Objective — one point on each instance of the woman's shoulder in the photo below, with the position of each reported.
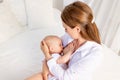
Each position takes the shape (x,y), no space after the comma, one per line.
(93,44)
(90,46)
(94,48)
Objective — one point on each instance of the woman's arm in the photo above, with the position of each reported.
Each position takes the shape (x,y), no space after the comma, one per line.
(45,70)
(79,69)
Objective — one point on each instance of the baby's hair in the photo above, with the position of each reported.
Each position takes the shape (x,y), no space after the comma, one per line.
(48,38)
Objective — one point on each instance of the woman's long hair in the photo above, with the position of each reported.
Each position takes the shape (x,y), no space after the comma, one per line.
(79,13)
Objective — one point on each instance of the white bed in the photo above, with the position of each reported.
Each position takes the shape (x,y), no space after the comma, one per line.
(20,54)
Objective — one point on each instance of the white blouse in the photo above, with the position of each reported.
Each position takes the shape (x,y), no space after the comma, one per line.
(82,63)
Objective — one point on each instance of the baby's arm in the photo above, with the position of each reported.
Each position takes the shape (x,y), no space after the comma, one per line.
(67,52)
(63,59)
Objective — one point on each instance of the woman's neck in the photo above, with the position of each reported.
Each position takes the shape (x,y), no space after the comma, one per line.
(81,41)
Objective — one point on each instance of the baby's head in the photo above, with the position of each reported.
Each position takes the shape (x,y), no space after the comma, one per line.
(54,44)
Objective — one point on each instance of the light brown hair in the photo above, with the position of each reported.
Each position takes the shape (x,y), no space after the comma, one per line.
(79,13)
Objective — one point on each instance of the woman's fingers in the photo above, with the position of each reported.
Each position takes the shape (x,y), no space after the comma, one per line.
(44,47)
(42,43)
(45,50)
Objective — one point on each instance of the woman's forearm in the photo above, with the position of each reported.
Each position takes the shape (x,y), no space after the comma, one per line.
(48,56)
(45,70)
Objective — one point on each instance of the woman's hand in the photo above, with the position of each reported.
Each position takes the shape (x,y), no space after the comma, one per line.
(45,50)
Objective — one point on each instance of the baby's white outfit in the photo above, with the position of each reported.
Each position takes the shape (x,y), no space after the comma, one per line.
(64,66)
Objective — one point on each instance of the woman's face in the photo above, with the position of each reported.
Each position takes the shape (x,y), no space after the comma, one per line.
(73,32)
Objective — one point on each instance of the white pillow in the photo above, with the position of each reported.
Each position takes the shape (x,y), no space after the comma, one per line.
(19,10)
(40,13)
(8,23)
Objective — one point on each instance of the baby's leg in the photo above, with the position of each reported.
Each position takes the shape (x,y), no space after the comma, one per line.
(36,77)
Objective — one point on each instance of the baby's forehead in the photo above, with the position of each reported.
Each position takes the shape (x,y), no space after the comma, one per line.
(56,39)
(52,39)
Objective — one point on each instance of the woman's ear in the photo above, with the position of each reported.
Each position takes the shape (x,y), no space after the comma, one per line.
(78,28)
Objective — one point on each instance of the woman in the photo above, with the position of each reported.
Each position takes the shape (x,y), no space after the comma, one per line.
(79,26)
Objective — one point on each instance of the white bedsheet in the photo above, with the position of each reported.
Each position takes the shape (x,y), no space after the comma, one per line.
(21,57)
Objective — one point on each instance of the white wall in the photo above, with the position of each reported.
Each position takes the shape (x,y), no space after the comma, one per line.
(58,4)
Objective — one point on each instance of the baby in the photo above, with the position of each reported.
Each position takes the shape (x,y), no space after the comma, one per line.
(55,47)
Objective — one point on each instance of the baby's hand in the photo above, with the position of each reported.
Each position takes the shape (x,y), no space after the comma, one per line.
(70,48)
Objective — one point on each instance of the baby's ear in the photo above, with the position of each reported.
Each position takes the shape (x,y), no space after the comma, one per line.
(51,49)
